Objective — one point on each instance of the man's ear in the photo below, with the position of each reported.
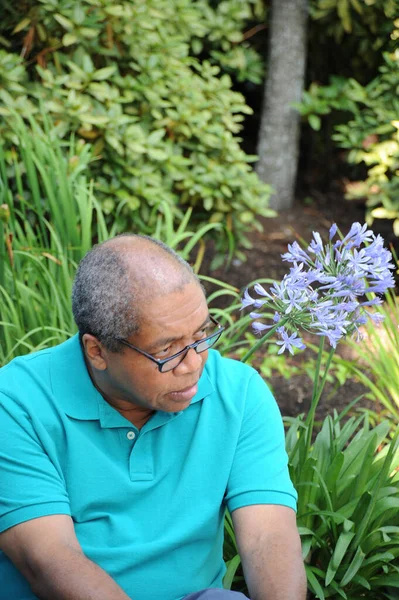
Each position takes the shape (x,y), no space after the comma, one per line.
(95,352)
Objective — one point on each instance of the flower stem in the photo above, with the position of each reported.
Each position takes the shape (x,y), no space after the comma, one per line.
(318,387)
(263,339)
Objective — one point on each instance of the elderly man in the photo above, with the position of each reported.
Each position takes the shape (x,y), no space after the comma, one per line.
(121,448)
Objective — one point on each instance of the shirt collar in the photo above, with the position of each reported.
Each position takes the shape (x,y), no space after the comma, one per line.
(71,383)
(205,387)
(76,394)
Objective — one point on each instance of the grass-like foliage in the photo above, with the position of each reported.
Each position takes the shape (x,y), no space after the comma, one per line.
(49,219)
(378,367)
(348,518)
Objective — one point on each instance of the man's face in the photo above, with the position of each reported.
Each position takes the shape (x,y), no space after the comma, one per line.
(168,323)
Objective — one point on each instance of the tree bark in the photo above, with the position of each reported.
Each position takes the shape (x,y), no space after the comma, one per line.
(278,146)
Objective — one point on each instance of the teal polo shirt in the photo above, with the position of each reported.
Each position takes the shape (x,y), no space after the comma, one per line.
(147,505)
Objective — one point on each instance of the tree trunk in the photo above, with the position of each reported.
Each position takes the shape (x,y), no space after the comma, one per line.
(278,146)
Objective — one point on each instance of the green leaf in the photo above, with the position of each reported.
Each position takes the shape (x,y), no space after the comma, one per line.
(232,566)
(314,583)
(104,73)
(157,154)
(384,505)
(21,25)
(357,6)
(334,470)
(69,38)
(246,216)
(380,557)
(340,549)
(343,9)
(391,580)
(208,203)
(353,567)
(362,581)
(155,137)
(78,14)
(363,475)
(115,11)
(94,119)
(135,147)
(306,546)
(88,33)
(88,65)
(76,69)
(133,203)
(314,122)
(63,21)
(383,213)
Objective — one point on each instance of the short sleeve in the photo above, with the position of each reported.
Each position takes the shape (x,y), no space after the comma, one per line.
(30,485)
(259,473)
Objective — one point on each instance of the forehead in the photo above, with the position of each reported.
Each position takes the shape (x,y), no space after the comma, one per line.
(178,313)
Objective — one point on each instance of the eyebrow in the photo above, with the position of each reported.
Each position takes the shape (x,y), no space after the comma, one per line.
(169,340)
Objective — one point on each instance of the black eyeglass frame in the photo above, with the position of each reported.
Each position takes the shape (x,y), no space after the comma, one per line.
(160,362)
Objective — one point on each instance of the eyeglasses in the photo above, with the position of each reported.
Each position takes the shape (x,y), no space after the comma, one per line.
(170,363)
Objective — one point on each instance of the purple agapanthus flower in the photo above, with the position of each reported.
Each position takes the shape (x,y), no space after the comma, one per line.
(333,230)
(325,290)
(289,342)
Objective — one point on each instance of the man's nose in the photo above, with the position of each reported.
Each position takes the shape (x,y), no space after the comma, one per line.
(192,362)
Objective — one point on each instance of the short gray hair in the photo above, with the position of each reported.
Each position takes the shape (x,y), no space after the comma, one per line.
(105,295)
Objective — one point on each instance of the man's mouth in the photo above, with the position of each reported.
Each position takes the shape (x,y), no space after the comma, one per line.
(185,394)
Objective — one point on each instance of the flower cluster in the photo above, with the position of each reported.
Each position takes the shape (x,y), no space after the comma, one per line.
(326,292)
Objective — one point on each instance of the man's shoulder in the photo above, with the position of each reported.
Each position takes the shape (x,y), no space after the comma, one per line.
(23,367)
(31,372)
(236,384)
(221,366)
(233,381)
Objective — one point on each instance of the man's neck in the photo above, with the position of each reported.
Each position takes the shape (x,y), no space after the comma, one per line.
(137,415)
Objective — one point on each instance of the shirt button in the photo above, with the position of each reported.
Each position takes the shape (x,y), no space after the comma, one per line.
(130,435)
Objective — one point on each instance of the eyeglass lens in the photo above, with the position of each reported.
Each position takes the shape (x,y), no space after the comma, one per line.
(202,346)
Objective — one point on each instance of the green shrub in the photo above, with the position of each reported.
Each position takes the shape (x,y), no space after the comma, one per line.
(124,77)
(372,139)
(364,107)
(371,136)
(368,23)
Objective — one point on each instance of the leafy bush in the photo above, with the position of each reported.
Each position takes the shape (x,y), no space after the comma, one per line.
(371,136)
(362,40)
(124,77)
(369,23)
